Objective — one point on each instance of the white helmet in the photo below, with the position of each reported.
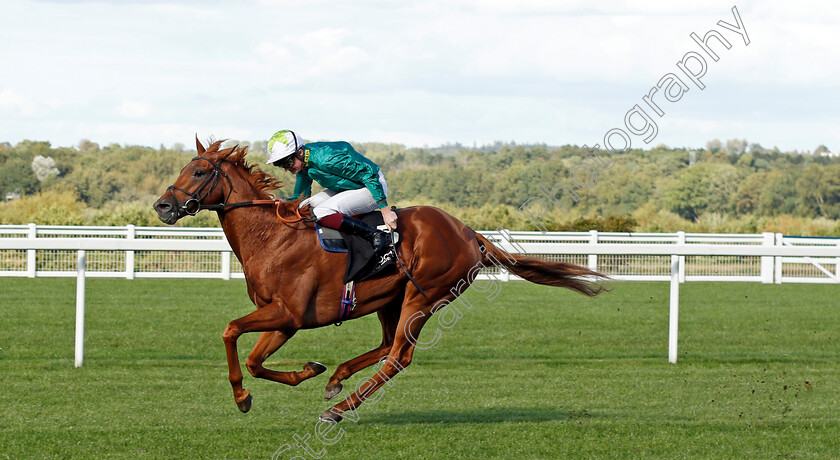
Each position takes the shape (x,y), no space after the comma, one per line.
(282,144)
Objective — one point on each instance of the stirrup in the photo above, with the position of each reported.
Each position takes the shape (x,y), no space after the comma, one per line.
(393,235)
(385,242)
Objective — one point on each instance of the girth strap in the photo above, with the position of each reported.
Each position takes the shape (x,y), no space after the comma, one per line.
(348,302)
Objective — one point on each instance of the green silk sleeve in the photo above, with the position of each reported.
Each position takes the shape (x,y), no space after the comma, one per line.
(303,185)
(345,163)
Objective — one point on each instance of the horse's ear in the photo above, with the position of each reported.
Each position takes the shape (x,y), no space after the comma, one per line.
(198,147)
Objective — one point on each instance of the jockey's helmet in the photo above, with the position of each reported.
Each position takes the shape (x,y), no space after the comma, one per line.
(282,144)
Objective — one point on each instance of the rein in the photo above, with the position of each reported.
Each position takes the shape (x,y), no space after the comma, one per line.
(194,204)
(243,204)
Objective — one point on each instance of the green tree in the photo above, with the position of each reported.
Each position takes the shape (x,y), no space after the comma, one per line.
(819,190)
(748,197)
(688,194)
(619,192)
(702,187)
(779,195)
(94,186)
(16,175)
(736,146)
(725,180)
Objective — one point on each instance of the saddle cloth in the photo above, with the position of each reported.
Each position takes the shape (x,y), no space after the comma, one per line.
(361,264)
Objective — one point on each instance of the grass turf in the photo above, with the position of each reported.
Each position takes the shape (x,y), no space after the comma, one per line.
(537,372)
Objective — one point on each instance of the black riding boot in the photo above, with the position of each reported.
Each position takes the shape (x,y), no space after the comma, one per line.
(378,239)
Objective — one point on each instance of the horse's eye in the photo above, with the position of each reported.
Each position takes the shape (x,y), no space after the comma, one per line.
(200,173)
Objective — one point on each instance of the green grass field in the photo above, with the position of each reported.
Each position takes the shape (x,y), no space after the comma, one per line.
(536,373)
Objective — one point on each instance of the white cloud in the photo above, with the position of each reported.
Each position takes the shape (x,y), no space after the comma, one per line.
(154,134)
(412,72)
(134,109)
(12,100)
(320,40)
(318,53)
(273,52)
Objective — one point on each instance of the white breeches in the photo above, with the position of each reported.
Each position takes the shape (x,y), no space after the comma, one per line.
(349,202)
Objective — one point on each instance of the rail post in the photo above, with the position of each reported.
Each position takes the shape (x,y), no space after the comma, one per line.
(226,265)
(30,253)
(129,255)
(768,267)
(592,259)
(777,264)
(674,316)
(505,236)
(225,261)
(80,308)
(837,265)
(681,241)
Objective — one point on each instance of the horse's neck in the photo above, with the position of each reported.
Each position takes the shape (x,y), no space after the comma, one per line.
(251,230)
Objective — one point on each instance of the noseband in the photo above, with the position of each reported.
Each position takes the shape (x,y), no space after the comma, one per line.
(194,203)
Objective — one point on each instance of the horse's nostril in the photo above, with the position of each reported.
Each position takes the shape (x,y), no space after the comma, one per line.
(163,206)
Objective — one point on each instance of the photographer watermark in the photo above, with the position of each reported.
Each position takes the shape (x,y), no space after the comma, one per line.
(327,432)
(447,313)
(637,121)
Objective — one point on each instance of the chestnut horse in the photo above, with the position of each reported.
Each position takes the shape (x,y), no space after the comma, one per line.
(295,284)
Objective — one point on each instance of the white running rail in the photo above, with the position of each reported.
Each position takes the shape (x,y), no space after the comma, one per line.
(169,252)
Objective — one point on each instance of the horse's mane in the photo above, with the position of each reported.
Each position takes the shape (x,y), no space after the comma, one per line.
(235,155)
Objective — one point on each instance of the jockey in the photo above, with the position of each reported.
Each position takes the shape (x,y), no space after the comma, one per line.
(354,184)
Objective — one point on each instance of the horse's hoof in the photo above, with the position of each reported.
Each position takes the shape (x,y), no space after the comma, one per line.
(245,404)
(330,416)
(332,391)
(315,366)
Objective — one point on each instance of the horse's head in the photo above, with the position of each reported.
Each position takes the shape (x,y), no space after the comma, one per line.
(201,184)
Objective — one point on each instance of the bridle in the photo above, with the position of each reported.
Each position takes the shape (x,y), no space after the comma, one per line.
(194,204)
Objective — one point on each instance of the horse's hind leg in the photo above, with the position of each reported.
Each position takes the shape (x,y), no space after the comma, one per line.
(389,319)
(267,344)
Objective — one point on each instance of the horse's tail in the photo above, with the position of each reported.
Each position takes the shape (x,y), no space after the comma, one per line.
(560,274)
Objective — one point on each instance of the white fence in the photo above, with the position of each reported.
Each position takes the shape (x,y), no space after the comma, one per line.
(172,252)
(169,252)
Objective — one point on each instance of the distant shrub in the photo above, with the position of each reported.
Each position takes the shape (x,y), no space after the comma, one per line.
(46,208)
(202,219)
(601,224)
(655,220)
(137,213)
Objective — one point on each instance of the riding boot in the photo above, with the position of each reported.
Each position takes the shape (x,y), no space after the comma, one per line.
(378,239)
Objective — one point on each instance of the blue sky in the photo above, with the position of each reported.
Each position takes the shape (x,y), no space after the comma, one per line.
(417,73)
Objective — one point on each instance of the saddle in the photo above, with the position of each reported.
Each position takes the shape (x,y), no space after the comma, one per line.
(361,263)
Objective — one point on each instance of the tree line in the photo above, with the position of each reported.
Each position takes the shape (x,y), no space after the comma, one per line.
(727,186)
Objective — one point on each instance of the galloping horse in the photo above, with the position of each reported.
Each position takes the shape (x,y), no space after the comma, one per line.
(296,285)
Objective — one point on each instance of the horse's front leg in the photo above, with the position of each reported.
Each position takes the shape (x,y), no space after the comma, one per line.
(271,317)
(268,343)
